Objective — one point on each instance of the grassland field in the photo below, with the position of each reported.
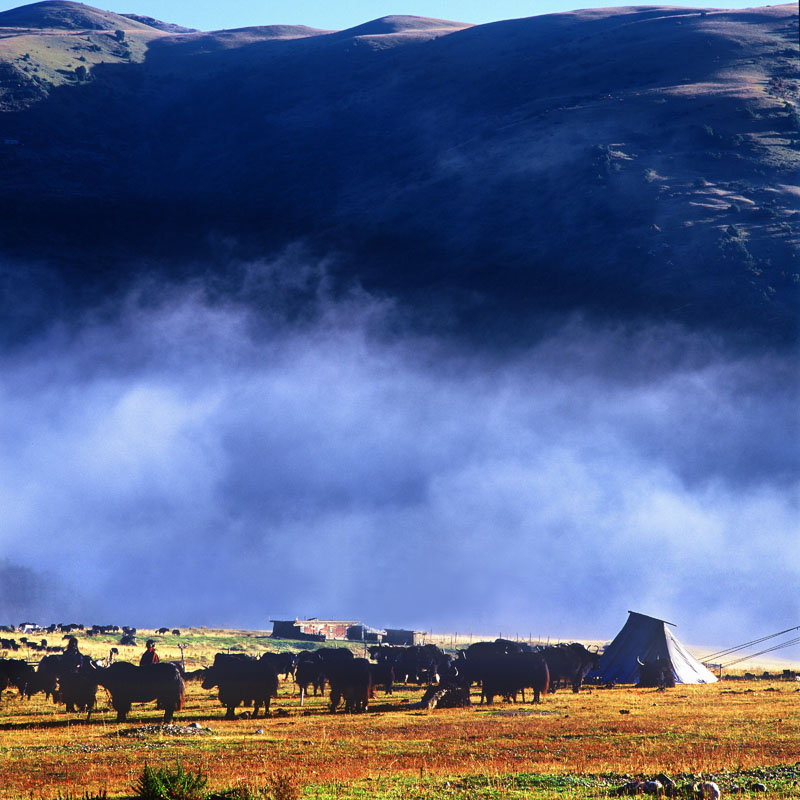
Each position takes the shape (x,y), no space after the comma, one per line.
(571,745)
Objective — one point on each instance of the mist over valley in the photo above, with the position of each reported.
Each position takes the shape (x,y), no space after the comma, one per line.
(453,327)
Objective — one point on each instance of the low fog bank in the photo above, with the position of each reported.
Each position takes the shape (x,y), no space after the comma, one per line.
(187,464)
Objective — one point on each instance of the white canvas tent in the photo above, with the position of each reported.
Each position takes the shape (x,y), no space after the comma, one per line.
(648,638)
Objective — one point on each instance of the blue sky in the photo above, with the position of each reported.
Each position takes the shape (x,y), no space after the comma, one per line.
(213,15)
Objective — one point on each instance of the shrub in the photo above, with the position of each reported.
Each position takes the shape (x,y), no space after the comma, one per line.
(165,784)
(280,786)
(283,786)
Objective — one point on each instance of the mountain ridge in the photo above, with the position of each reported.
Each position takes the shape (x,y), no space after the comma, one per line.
(167,27)
(67,15)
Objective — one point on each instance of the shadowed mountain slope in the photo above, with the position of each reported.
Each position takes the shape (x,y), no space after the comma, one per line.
(632,163)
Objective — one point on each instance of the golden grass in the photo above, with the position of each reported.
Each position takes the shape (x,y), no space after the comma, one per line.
(685,730)
(729,726)
(51,55)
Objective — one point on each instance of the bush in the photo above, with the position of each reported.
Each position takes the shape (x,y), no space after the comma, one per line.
(165,784)
(283,786)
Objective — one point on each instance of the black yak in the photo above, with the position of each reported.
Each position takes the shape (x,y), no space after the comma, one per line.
(350,681)
(512,673)
(15,672)
(46,677)
(569,663)
(309,671)
(284,663)
(77,689)
(656,673)
(242,679)
(130,684)
(381,675)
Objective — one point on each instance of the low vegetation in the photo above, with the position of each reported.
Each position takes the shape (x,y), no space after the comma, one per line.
(163,783)
(571,745)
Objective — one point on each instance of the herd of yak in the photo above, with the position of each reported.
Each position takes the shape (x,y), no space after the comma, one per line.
(502,668)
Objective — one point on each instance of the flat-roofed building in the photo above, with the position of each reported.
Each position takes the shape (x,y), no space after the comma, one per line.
(315,628)
(404,637)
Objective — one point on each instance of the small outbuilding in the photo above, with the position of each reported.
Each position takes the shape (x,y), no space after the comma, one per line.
(362,633)
(399,636)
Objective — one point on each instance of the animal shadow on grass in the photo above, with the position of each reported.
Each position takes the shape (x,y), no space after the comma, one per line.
(104,718)
(50,724)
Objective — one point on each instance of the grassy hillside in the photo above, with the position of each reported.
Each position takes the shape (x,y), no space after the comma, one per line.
(635,163)
(64,15)
(51,44)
